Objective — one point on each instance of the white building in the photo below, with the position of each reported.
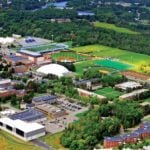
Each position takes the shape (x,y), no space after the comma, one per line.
(128,85)
(133,94)
(7,112)
(54,69)
(23,130)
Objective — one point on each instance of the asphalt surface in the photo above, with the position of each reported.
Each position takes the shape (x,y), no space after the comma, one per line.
(42,144)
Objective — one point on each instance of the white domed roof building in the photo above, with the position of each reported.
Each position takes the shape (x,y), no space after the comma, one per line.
(54,69)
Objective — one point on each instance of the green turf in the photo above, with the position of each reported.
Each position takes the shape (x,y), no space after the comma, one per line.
(77,57)
(113,64)
(45,47)
(109,92)
(132,58)
(114,28)
(81,66)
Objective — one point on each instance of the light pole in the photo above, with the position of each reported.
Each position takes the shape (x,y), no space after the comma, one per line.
(52,38)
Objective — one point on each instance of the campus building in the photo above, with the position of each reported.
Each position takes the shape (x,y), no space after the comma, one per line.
(49,99)
(21,129)
(35,57)
(141,133)
(54,69)
(51,111)
(5,82)
(29,115)
(134,94)
(128,86)
(90,94)
(15,60)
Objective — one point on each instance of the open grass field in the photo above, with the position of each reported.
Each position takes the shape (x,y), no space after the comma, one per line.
(109,92)
(113,64)
(69,55)
(54,141)
(128,57)
(114,28)
(9,142)
(147,100)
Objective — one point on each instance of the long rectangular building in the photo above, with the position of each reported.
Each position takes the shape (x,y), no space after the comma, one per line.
(23,130)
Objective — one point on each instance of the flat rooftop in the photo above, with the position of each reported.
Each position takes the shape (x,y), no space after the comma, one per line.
(129,84)
(21,125)
(45,98)
(28,115)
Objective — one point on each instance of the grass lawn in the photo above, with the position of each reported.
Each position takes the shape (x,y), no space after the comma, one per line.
(147,119)
(109,92)
(9,142)
(147,100)
(67,55)
(54,141)
(131,58)
(114,28)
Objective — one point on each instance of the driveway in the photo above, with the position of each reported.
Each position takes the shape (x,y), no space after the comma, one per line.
(42,144)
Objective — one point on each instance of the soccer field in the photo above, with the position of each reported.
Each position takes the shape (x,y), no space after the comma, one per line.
(109,92)
(113,64)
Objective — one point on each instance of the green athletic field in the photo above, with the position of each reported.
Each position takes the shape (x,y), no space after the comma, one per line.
(45,47)
(67,55)
(113,64)
(122,55)
(114,28)
(81,66)
(109,92)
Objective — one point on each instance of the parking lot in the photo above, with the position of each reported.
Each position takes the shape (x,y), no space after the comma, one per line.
(59,124)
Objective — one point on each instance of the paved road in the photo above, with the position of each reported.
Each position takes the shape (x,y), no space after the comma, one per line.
(42,144)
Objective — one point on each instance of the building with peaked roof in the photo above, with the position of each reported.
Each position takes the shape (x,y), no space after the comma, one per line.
(21,129)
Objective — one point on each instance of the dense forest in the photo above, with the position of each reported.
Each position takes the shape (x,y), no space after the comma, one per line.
(80,31)
(91,128)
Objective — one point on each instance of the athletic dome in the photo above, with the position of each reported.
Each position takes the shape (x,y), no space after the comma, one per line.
(53,69)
